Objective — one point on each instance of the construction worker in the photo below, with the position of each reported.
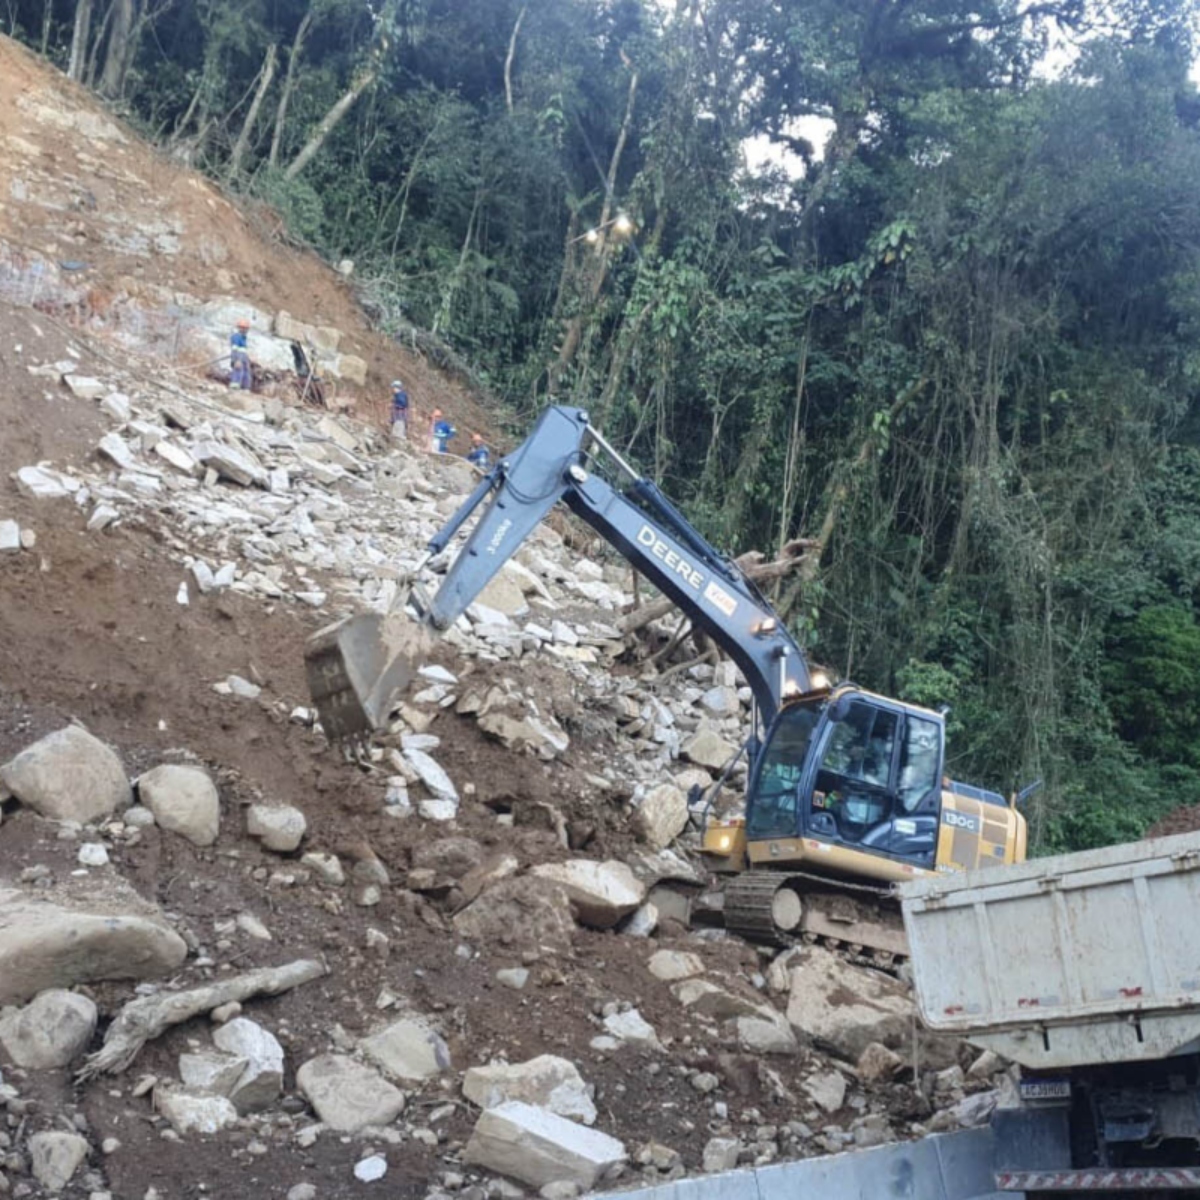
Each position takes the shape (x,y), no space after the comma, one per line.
(399,411)
(239,358)
(440,432)
(480,455)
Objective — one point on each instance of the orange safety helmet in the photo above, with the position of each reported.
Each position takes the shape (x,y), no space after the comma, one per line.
(437,412)
(476,437)
(243,323)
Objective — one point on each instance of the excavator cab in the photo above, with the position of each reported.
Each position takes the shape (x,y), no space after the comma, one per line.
(849,785)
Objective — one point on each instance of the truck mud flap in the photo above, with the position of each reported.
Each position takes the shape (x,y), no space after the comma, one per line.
(1093,1180)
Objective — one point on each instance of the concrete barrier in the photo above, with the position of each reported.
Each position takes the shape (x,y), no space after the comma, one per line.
(945,1166)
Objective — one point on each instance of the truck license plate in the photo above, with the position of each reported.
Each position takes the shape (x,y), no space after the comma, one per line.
(1045,1089)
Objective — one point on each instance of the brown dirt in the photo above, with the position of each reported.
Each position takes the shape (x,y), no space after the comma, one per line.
(1181,820)
(225,247)
(90,630)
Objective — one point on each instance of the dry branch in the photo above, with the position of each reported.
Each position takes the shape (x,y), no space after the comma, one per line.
(142,1020)
(751,564)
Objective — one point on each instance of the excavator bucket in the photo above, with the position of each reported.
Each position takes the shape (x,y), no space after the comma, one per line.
(356,667)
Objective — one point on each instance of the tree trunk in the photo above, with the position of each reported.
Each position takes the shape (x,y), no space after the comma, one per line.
(47,21)
(289,82)
(508,60)
(328,124)
(573,336)
(79,40)
(120,52)
(264,82)
(93,63)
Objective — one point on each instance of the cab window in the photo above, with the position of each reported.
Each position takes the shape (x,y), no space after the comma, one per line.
(919,765)
(853,781)
(774,811)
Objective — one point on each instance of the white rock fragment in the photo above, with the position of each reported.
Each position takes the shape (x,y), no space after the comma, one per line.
(261,1082)
(370,1169)
(538,1147)
(10,537)
(93,854)
(547,1081)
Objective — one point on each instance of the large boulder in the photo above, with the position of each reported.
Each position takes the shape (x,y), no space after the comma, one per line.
(409,1050)
(522,911)
(348,1096)
(51,1031)
(846,1006)
(183,800)
(538,1147)
(58,945)
(662,815)
(602,893)
(547,1081)
(707,748)
(68,776)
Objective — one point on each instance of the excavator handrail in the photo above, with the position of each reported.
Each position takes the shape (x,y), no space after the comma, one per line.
(653,536)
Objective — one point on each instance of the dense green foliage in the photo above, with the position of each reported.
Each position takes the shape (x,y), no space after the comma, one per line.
(960,347)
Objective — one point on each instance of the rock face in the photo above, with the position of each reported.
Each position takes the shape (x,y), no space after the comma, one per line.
(183,800)
(408,1050)
(51,1031)
(847,1006)
(538,1147)
(662,815)
(209,1071)
(600,892)
(44,945)
(261,1081)
(547,1082)
(348,1096)
(279,827)
(68,776)
(524,911)
(55,1157)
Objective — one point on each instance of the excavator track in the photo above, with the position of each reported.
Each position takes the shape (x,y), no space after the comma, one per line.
(784,908)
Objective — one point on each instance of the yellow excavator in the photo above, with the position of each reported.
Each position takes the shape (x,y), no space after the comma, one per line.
(846,789)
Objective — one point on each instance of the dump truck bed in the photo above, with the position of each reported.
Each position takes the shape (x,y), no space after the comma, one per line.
(1082,958)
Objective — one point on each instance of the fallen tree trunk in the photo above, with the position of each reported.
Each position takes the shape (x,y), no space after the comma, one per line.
(142,1020)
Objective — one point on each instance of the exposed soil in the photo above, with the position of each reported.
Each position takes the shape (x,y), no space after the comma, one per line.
(90,630)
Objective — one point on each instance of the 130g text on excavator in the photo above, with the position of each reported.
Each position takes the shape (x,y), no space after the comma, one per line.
(846,790)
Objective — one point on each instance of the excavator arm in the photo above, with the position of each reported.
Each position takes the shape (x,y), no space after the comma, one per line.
(552,465)
(356,666)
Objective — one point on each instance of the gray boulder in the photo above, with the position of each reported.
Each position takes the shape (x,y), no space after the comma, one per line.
(47,945)
(183,800)
(409,1050)
(348,1096)
(279,827)
(600,892)
(51,1031)
(68,776)
(847,1006)
(55,1157)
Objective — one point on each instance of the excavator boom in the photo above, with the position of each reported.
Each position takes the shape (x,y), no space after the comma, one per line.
(355,667)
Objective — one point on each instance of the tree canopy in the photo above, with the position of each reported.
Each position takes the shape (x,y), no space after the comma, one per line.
(955,339)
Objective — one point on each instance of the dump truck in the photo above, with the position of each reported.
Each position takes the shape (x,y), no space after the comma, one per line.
(1084,970)
(847,789)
